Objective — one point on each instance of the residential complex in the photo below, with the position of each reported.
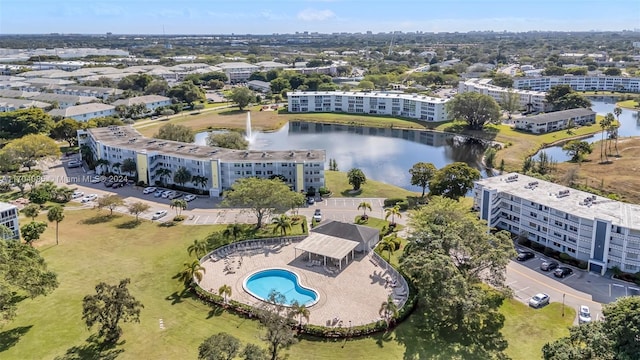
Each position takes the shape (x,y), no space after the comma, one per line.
(579,83)
(381,103)
(600,231)
(85,112)
(9,218)
(300,169)
(151,102)
(557,120)
(532,101)
(7,105)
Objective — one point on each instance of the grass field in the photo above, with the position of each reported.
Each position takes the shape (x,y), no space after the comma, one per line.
(96,248)
(338,183)
(628,104)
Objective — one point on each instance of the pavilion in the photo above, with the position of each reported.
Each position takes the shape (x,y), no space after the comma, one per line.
(328,246)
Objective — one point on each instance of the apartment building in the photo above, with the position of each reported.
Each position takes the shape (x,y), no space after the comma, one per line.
(600,231)
(380,103)
(151,102)
(7,105)
(9,218)
(237,71)
(64,101)
(85,112)
(554,121)
(300,169)
(80,90)
(532,101)
(579,83)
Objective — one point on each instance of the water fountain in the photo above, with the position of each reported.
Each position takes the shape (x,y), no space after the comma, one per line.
(248,135)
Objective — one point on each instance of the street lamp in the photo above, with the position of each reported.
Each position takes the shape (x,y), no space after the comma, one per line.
(563,295)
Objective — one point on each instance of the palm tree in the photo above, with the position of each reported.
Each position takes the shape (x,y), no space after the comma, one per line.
(200,181)
(393,212)
(163,173)
(300,310)
(116,166)
(604,125)
(129,166)
(192,270)
(178,205)
(88,156)
(364,206)
(617,111)
(281,223)
(613,135)
(389,246)
(103,163)
(182,176)
(388,310)
(198,248)
(234,230)
(225,290)
(56,213)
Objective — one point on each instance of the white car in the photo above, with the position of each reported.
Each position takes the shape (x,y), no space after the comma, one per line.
(77,194)
(95,179)
(74,163)
(158,193)
(149,190)
(168,194)
(158,214)
(189,197)
(89,197)
(584,316)
(539,300)
(317,215)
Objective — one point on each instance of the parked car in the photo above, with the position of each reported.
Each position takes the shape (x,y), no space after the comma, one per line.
(584,316)
(149,190)
(158,214)
(108,183)
(311,200)
(539,300)
(77,194)
(525,255)
(562,271)
(74,163)
(88,198)
(317,215)
(174,195)
(158,193)
(189,197)
(95,179)
(549,265)
(167,194)
(119,184)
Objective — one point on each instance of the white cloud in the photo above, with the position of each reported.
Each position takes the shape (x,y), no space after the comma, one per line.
(315,15)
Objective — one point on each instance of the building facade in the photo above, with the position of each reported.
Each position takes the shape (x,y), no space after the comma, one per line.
(602,232)
(531,101)
(301,170)
(85,112)
(554,121)
(579,83)
(379,103)
(238,71)
(9,218)
(151,102)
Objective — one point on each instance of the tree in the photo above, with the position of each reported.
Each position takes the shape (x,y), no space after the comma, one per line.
(225,290)
(622,325)
(387,245)
(279,84)
(221,346)
(187,92)
(563,97)
(615,125)
(191,270)
(110,305)
(232,230)
(67,130)
(137,208)
(502,80)
(392,212)
(22,271)
(454,180)
(604,125)
(577,149)
(32,211)
(510,102)
(253,352)
(110,202)
(163,173)
(19,123)
(263,197)
(178,205)
(103,164)
(278,333)
(242,96)
(30,149)
(198,180)
(364,206)
(182,176)
(421,174)
(281,224)
(612,71)
(228,140)
(56,214)
(198,248)
(388,310)
(157,87)
(474,108)
(129,166)
(32,231)
(300,310)
(585,342)
(356,178)
(175,132)
(451,256)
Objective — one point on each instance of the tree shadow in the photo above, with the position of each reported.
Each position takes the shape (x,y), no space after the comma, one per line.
(11,337)
(92,349)
(232,112)
(351,193)
(215,311)
(179,297)
(129,224)
(99,219)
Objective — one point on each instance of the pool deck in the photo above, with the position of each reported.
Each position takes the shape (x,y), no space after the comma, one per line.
(354,294)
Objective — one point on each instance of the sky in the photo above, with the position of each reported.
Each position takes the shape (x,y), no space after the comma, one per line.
(324,16)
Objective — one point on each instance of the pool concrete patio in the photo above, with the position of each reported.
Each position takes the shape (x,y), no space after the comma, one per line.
(354,294)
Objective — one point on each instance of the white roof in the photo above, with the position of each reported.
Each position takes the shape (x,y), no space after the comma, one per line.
(326,245)
(81,109)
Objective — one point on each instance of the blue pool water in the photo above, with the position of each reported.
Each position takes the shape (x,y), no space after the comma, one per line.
(285,282)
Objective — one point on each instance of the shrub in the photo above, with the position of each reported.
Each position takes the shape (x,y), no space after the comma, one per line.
(324,191)
(404,205)
(392,201)
(565,257)
(168,224)
(5,187)
(490,157)
(178,218)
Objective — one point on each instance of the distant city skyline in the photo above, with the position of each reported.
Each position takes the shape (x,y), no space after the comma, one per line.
(324,16)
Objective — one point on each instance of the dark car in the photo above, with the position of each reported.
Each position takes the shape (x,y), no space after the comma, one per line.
(108,183)
(562,271)
(525,255)
(549,265)
(118,184)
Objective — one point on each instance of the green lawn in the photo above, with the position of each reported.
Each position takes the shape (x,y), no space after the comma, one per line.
(338,183)
(97,248)
(628,104)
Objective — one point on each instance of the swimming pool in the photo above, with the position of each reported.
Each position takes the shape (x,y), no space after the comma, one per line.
(287,283)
